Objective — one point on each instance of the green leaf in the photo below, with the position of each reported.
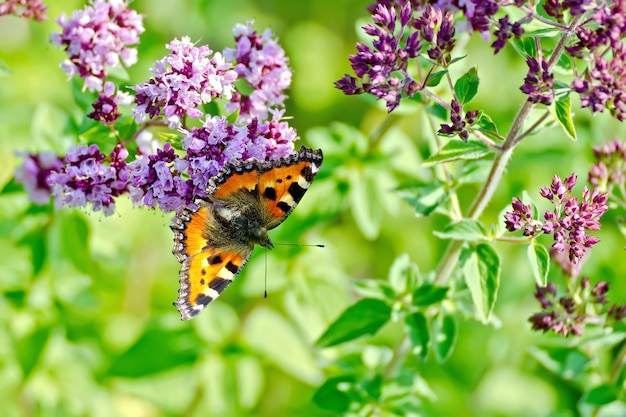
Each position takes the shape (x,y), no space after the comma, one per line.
(417,330)
(525,46)
(271,334)
(68,239)
(126,127)
(457,150)
(403,274)
(474,172)
(486,125)
(157,350)
(423,197)
(539,258)
(466,87)
(563,113)
(366,206)
(333,395)
(468,230)
(429,294)
(98,134)
(444,336)
(29,349)
(437,110)
(435,78)
(600,395)
(35,240)
(365,317)
(372,386)
(481,271)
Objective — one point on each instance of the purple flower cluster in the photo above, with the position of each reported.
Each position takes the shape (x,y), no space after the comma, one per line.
(610,168)
(601,42)
(402,29)
(34,172)
(28,9)
(505,31)
(568,222)
(539,82)
(85,178)
(557,9)
(98,37)
(567,314)
(106,109)
(261,62)
(217,142)
(183,81)
(154,181)
(382,71)
(460,123)
(157,179)
(605,85)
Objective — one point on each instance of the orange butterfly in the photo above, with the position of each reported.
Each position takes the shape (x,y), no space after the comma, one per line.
(244,201)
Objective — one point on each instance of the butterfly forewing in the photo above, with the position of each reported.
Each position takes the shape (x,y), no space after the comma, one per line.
(282,187)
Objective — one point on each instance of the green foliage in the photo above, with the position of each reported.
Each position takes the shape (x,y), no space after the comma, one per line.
(354,329)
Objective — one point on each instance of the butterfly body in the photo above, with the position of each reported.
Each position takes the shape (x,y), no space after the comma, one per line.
(245,200)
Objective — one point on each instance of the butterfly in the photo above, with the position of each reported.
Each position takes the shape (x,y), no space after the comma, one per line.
(244,201)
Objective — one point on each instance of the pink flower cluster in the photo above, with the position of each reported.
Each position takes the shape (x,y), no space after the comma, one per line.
(98,37)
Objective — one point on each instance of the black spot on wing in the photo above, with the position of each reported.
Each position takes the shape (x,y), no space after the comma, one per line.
(307,173)
(203,299)
(232,267)
(214,259)
(283,206)
(219,284)
(270,193)
(296,191)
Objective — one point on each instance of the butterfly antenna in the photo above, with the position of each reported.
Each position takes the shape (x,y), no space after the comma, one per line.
(299,244)
(265,273)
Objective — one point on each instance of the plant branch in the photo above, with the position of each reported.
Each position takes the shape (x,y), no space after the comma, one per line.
(499,164)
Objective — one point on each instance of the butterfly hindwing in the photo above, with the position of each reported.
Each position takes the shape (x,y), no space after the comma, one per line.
(204,276)
(207,269)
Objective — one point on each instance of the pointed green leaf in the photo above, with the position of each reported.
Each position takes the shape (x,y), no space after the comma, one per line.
(444,336)
(437,110)
(563,113)
(175,348)
(481,271)
(417,330)
(457,150)
(525,46)
(365,317)
(365,203)
(466,87)
(435,78)
(68,239)
(334,394)
(467,230)
(539,258)
(423,197)
(600,395)
(403,274)
(429,294)
(29,349)
(486,125)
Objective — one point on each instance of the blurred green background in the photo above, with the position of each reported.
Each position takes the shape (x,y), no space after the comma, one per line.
(87,327)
